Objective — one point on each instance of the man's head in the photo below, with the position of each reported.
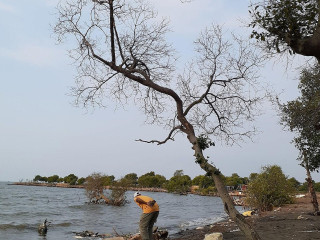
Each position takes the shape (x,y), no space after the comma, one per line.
(136,194)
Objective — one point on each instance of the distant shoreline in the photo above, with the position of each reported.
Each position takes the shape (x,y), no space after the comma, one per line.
(66,185)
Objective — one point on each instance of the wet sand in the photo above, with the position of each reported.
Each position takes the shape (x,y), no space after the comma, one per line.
(293,221)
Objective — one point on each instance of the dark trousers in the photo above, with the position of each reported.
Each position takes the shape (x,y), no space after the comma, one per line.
(147,221)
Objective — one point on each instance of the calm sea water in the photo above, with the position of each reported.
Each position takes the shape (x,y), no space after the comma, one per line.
(23,208)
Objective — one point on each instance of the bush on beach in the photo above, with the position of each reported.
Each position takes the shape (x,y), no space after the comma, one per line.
(269,189)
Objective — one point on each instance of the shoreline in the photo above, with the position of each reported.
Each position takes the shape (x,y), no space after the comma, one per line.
(292,221)
(140,189)
(66,185)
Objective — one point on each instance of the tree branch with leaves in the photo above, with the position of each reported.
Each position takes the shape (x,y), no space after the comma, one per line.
(287,25)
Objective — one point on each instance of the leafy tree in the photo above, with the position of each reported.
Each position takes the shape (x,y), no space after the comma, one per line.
(317,187)
(43,179)
(131,179)
(60,179)
(53,179)
(122,52)
(303,187)
(234,180)
(269,189)
(107,180)
(179,183)
(294,183)
(203,181)
(252,176)
(287,25)
(178,173)
(81,181)
(151,180)
(302,116)
(71,179)
(37,178)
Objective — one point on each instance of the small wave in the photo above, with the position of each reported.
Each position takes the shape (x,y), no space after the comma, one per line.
(65,224)
(19,227)
(200,222)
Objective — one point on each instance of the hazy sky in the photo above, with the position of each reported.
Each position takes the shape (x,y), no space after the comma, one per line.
(42,133)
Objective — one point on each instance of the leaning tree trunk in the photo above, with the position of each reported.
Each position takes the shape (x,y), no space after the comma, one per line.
(229,207)
(312,192)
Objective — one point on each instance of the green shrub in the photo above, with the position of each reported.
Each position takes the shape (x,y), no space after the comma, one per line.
(269,189)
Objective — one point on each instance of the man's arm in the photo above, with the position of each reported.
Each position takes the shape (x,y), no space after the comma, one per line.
(150,203)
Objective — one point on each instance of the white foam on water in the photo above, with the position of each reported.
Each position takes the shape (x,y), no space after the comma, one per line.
(201,222)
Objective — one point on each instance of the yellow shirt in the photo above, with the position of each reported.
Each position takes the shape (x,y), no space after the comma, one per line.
(145,208)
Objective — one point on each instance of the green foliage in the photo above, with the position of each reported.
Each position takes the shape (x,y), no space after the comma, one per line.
(178,173)
(203,181)
(130,179)
(317,187)
(53,179)
(179,183)
(208,191)
(302,116)
(280,23)
(38,178)
(151,180)
(304,187)
(107,180)
(269,189)
(234,180)
(252,176)
(205,184)
(81,181)
(204,142)
(71,179)
(294,183)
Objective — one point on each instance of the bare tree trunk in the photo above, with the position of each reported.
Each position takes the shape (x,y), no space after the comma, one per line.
(312,192)
(107,200)
(229,207)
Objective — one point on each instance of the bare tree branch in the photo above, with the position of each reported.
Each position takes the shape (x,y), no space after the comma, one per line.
(170,137)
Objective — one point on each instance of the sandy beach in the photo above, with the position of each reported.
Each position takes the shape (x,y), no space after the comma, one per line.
(293,221)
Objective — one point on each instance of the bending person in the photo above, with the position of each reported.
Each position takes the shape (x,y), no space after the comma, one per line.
(150,212)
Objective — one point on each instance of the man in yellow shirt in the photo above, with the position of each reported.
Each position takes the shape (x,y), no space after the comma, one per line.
(150,212)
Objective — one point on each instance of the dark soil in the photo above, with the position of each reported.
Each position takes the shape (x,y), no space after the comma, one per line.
(293,221)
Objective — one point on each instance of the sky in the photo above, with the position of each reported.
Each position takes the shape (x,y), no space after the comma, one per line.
(41,132)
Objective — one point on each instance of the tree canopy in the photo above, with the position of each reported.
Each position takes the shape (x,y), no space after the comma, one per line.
(292,25)
(303,117)
(151,180)
(179,183)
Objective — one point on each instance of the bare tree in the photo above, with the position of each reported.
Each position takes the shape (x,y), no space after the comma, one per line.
(95,189)
(122,53)
(95,186)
